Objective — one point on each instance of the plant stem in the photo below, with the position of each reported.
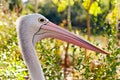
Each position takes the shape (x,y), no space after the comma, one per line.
(88,28)
(65,61)
(69,16)
(66,50)
(36,6)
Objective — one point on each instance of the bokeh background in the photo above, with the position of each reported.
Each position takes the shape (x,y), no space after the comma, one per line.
(97,21)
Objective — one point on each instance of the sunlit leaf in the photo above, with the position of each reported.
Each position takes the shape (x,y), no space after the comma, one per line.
(86,4)
(113,15)
(95,9)
(62,4)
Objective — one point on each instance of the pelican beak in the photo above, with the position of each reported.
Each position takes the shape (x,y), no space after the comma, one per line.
(54,31)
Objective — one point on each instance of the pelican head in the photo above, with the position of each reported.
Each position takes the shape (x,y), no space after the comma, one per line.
(37,27)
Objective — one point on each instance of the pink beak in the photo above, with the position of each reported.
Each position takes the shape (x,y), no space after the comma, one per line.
(54,31)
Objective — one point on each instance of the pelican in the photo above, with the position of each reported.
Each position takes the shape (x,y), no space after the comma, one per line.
(35,27)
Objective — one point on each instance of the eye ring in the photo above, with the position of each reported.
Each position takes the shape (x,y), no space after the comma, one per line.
(41,20)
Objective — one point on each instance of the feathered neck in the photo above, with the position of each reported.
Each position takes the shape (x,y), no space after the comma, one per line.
(29,53)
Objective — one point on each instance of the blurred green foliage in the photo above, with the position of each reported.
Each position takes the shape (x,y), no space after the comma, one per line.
(50,51)
(11,63)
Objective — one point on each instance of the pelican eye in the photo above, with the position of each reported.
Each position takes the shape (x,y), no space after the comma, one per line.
(41,20)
